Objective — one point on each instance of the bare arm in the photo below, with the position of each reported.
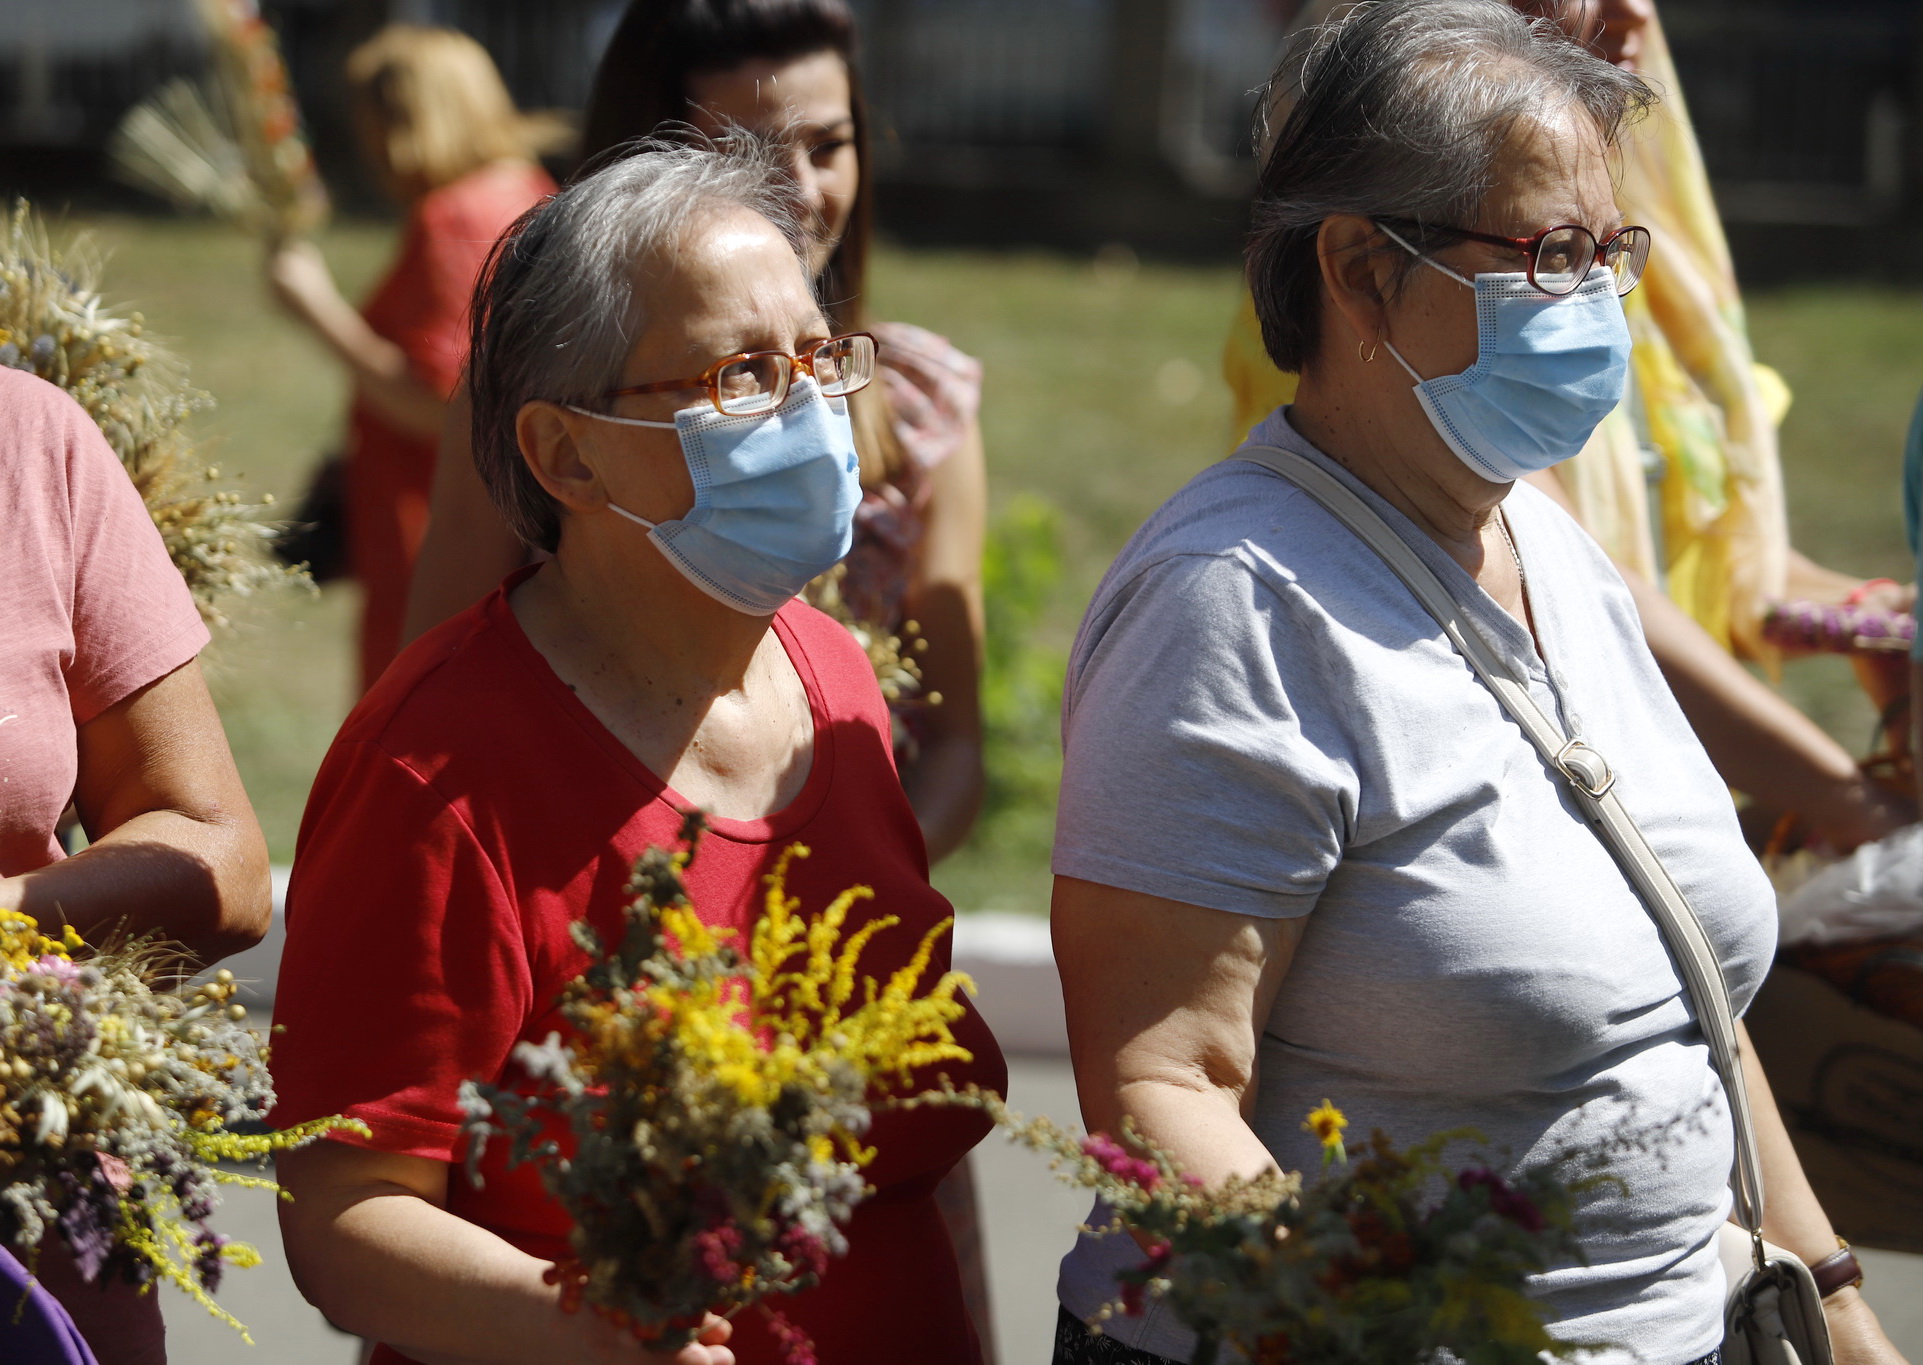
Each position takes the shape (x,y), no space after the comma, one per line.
(945,780)
(299,277)
(1796,1222)
(1760,744)
(175,847)
(1166,1004)
(371,1244)
(468,549)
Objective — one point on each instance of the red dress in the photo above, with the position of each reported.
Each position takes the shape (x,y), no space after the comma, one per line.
(471,809)
(422,307)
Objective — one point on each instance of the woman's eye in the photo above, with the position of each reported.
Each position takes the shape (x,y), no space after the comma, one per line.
(826,151)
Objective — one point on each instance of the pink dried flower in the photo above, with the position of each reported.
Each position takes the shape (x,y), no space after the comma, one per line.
(796,1348)
(1112,1157)
(1504,1201)
(1133,1290)
(805,1251)
(716,1247)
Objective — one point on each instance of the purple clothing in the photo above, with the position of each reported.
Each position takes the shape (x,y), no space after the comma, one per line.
(40,1332)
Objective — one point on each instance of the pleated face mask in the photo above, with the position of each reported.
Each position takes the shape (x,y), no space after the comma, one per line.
(1548,370)
(775,495)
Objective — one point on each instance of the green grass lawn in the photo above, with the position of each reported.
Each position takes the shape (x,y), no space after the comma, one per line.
(1102,398)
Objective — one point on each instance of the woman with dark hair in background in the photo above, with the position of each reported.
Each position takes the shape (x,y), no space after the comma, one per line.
(786,68)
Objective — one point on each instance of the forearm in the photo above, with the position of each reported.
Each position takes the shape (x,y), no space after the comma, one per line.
(1164,1003)
(1808,581)
(1760,744)
(380,369)
(944,782)
(1200,1126)
(1794,1219)
(395,1268)
(202,882)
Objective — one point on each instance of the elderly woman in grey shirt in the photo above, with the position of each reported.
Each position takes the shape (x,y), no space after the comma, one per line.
(1301,850)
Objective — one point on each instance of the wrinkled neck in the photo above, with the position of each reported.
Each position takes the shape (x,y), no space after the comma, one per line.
(1367,420)
(615,604)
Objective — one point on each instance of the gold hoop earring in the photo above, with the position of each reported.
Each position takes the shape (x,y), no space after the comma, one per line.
(1370,357)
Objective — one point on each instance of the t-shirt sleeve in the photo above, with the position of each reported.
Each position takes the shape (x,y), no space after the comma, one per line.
(405,970)
(134,621)
(1204,761)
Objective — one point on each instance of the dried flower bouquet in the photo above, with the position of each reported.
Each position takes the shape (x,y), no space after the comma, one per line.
(118,1099)
(1396,1258)
(54,324)
(717,1098)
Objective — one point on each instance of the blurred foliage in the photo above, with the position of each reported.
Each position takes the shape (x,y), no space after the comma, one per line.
(1021,683)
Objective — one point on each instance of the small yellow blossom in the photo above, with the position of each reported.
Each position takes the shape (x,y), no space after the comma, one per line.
(1327,1123)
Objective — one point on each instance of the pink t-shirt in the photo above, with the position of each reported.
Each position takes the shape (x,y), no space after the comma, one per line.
(91,608)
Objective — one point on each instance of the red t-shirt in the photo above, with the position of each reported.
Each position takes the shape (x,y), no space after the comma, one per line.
(91,607)
(470,810)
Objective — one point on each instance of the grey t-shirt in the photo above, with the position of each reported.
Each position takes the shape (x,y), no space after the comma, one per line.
(1262,719)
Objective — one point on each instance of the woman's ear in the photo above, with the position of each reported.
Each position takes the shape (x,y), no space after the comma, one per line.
(547,434)
(1356,275)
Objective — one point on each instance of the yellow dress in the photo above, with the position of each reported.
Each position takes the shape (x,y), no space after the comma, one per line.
(1709,409)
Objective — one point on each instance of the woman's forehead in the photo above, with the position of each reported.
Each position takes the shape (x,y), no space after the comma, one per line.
(1552,170)
(771,96)
(731,284)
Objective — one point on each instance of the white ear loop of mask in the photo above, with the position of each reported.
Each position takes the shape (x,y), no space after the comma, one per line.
(620,421)
(1429,261)
(1397,238)
(625,422)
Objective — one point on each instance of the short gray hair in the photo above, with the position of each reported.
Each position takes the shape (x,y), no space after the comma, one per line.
(1400,109)
(556,312)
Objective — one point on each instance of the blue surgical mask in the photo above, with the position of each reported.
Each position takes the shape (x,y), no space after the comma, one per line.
(774,497)
(1547,371)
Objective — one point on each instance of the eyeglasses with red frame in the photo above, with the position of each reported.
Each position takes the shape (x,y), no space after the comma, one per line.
(757,381)
(1561,257)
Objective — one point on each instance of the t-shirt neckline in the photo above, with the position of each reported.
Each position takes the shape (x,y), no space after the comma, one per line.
(1511,637)
(769,828)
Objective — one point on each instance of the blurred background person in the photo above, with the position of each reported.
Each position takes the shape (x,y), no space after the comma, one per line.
(1704,547)
(445,142)
(102,704)
(786,69)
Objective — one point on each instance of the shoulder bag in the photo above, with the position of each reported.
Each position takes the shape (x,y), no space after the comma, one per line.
(1773,1314)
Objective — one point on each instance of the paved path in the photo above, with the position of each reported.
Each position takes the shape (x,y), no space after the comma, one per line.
(1030,1222)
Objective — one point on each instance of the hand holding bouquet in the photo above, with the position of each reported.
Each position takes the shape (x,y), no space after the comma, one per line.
(116,1101)
(717,1099)
(1388,1260)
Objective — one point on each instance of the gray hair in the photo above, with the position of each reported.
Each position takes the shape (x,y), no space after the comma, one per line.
(1401,109)
(556,312)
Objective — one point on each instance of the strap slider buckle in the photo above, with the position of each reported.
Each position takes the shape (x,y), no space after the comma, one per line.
(1586,768)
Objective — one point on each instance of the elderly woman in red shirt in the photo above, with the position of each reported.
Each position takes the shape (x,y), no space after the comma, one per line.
(656,404)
